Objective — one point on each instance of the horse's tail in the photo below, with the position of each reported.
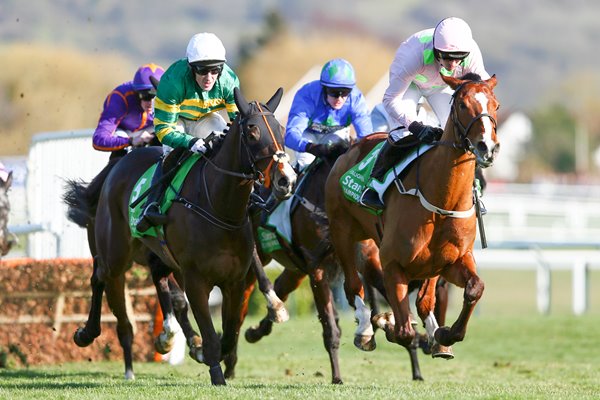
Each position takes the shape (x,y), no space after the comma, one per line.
(82,198)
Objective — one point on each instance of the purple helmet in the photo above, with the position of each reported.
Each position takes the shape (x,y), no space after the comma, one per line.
(147,77)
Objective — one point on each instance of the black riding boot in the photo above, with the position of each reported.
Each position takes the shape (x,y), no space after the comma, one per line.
(151,216)
(386,158)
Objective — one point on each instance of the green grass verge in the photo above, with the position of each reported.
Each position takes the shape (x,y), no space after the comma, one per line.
(508,357)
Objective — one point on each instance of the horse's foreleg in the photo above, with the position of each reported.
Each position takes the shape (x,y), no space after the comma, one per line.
(327,316)
(364,336)
(180,308)
(198,294)
(286,283)
(275,306)
(463,274)
(115,297)
(232,318)
(399,328)
(426,305)
(165,341)
(85,336)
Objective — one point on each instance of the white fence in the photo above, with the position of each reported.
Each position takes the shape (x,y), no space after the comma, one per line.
(53,158)
(540,227)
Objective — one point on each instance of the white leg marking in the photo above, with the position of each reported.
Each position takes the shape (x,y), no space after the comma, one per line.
(363,315)
(170,325)
(431,325)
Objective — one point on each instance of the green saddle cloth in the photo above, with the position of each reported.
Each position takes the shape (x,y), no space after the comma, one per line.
(357,178)
(172,191)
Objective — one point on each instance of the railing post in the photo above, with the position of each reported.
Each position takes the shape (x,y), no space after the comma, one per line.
(543,284)
(580,286)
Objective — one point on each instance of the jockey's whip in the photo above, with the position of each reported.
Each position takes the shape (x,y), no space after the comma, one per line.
(479,218)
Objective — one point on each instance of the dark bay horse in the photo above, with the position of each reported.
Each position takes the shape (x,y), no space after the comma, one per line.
(7,239)
(310,254)
(425,236)
(207,241)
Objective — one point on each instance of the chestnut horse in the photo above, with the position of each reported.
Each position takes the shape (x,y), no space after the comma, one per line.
(207,241)
(310,254)
(7,239)
(427,235)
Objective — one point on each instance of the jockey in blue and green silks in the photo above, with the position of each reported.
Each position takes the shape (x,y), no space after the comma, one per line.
(325,108)
(194,95)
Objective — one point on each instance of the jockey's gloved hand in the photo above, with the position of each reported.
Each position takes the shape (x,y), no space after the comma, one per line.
(198,146)
(142,139)
(318,150)
(425,133)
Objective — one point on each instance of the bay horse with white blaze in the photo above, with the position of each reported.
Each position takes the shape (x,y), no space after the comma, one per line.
(419,242)
(208,235)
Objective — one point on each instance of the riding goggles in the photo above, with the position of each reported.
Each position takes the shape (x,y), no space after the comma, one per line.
(200,70)
(454,55)
(337,92)
(146,95)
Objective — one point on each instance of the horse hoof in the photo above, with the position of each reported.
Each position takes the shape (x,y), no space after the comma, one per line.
(81,338)
(440,351)
(383,319)
(216,375)
(365,343)
(129,375)
(337,381)
(195,345)
(164,343)
(278,315)
(253,334)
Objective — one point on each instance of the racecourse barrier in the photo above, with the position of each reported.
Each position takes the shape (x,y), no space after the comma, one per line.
(44,301)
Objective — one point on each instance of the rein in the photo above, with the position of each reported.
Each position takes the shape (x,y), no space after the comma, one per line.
(255,175)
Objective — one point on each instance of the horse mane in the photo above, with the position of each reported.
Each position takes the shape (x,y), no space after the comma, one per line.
(471,76)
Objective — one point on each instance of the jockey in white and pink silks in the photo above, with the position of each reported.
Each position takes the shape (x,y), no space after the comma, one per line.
(448,49)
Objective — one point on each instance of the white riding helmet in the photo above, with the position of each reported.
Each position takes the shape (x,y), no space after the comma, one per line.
(205,49)
(453,35)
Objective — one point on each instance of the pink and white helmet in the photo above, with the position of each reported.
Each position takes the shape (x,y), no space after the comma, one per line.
(453,35)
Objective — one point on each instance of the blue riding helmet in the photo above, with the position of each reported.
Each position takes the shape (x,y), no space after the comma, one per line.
(142,78)
(338,73)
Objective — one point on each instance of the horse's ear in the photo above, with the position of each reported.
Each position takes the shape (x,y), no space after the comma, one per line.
(154,82)
(492,81)
(273,102)
(451,81)
(241,102)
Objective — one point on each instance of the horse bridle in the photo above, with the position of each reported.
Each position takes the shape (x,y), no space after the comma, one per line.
(279,156)
(462,132)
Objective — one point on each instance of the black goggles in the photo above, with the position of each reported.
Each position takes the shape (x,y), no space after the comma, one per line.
(146,95)
(201,70)
(455,55)
(337,92)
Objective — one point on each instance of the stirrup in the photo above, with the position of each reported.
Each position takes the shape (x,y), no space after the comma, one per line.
(370,199)
(151,216)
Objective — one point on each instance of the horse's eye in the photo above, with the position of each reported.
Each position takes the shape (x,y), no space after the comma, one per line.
(462,105)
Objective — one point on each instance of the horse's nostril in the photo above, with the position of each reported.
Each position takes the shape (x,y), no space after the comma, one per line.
(482,147)
(283,181)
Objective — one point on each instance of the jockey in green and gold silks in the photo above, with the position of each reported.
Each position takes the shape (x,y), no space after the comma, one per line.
(179,96)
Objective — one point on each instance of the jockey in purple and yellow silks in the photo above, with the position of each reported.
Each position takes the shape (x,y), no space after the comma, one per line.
(128,117)
(194,95)
(448,49)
